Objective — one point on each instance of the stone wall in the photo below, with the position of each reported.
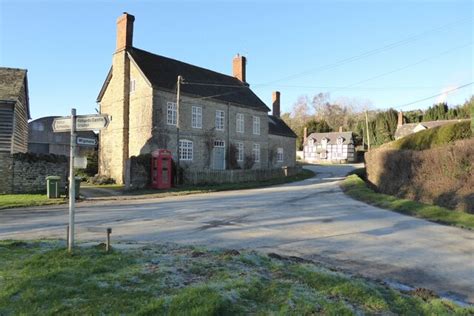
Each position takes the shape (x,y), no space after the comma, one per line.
(237,176)
(442,175)
(289,151)
(26,173)
(6,173)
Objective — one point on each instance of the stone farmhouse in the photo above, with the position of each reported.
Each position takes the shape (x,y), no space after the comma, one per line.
(405,129)
(14,110)
(42,139)
(217,114)
(332,147)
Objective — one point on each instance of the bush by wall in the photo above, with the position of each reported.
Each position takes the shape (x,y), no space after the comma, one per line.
(443,175)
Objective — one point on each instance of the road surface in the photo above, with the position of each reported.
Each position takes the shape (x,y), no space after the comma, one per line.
(311,219)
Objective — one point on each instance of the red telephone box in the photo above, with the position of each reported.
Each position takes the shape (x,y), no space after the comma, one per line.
(161,169)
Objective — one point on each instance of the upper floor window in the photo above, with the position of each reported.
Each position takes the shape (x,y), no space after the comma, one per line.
(219,120)
(38,126)
(196,117)
(240,151)
(256,125)
(171,114)
(310,142)
(240,123)
(340,140)
(256,152)
(324,142)
(279,154)
(185,149)
(133,85)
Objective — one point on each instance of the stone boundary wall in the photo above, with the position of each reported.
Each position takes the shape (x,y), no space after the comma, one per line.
(26,173)
(139,175)
(443,176)
(237,176)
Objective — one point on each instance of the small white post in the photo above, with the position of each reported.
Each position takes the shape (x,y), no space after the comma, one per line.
(72,182)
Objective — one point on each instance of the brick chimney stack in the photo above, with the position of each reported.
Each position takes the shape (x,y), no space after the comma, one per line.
(276,103)
(400,118)
(238,67)
(125,31)
(305,135)
(340,129)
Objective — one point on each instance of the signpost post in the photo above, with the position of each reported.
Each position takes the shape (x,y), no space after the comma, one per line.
(72,181)
(75,123)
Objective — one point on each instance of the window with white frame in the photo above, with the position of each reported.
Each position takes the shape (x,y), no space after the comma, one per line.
(240,123)
(256,125)
(324,142)
(171,113)
(280,154)
(196,117)
(240,151)
(133,85)
(185,149)
(340,140)
(256,152)
(310,142)
(219,120)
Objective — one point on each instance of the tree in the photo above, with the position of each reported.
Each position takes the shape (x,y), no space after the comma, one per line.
(318,126)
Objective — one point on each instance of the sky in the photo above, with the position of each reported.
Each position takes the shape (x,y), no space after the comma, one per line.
(379,54)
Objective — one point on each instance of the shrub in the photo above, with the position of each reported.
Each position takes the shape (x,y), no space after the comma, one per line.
(434,137)
(249,161)
(98,179)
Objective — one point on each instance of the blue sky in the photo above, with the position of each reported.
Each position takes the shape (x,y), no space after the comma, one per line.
(419,48)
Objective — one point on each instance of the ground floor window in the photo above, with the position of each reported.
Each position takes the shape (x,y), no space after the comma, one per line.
(279,154)
(256,152)
(185,149)
(240,151)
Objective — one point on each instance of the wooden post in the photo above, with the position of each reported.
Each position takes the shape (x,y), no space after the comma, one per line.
(107,244)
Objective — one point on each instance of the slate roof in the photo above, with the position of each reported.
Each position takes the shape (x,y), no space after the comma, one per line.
(276,126)
(162,72)
(332,137)
(407,129)
(11,83)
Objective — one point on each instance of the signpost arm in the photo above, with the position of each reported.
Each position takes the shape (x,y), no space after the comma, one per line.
(72,182)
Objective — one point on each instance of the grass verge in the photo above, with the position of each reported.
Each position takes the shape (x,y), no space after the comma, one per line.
(42,278)
(355,187)
(24,200)
(188,189)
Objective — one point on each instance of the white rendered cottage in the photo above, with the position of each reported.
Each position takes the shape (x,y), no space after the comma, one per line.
(335,147)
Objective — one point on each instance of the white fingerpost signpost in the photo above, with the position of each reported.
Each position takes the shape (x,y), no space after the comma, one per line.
(75,123)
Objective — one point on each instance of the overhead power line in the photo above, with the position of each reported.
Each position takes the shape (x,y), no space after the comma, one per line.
(366,53)
(437,95)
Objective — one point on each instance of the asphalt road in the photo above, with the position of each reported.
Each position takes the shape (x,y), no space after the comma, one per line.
(311,219)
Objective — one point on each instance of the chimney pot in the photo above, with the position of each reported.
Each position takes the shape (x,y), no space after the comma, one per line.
(276,103)
(125,31)
(238,67)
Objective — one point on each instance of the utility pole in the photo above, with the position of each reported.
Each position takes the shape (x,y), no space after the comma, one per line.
(367,128)
(178,97)
(72,182)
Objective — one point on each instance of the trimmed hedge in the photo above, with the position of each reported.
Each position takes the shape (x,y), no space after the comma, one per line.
(434,137)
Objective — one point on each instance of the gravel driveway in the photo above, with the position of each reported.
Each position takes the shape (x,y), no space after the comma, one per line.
(312,219)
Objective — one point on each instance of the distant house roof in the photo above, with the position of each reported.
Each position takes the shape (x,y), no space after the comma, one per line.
(410,128)
(276,126)
(332,137)
(12,81)
(162,73)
